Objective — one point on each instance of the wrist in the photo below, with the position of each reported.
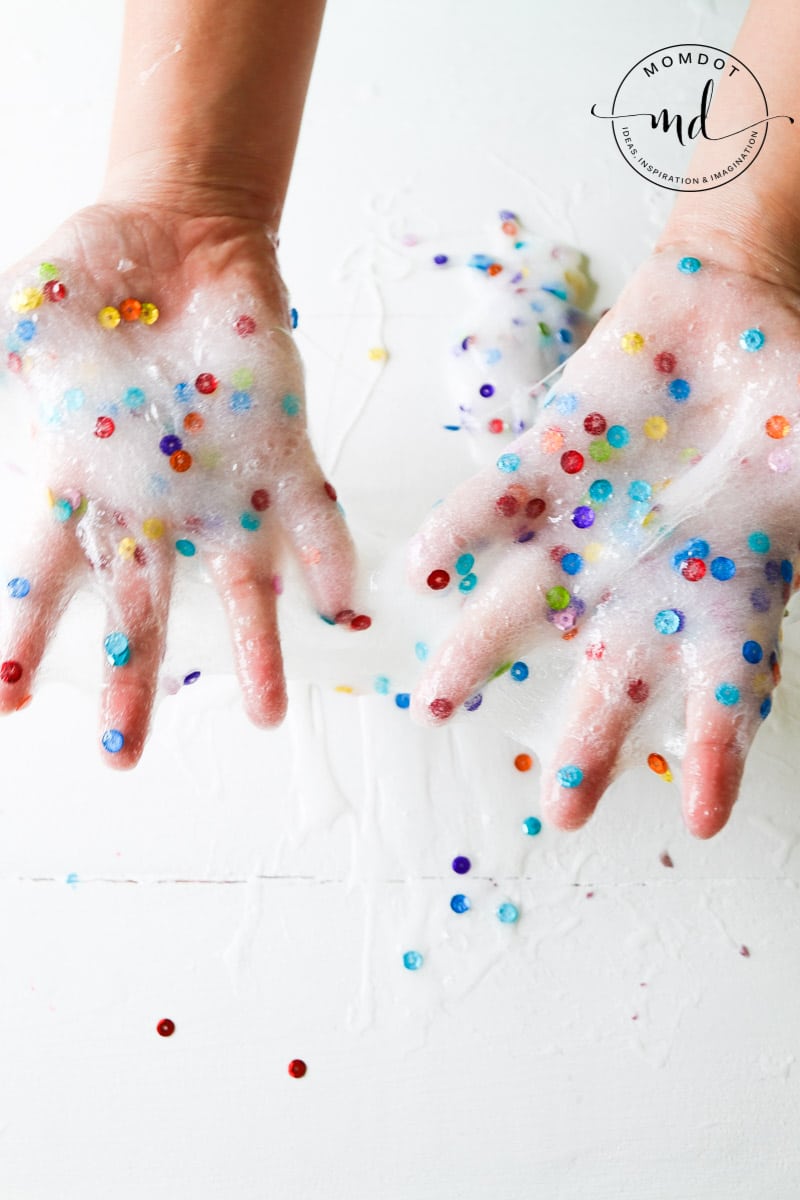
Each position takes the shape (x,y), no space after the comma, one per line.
(762,243)
(217,183)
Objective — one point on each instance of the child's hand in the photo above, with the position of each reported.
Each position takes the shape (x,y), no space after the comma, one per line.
(161,436)
(653,513)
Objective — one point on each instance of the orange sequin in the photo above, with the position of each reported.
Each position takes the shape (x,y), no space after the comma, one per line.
(193,422)
(523,762)
(181,460)
(657,763)
(130,309)
(777,426)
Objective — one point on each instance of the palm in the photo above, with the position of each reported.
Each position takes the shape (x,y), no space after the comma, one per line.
(674,442)
(180,437)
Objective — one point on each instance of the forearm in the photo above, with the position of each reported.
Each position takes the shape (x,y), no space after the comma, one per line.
(756,216)
(209,103)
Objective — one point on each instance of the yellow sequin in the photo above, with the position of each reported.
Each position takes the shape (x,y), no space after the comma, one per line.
(149,314)
(342,687)
(655,428)
(27,300)
(153,528)
(631,343)
(109,317)
(127,548)
(377,353)
(593,551)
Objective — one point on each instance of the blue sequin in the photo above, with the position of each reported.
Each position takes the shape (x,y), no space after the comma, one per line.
(508,462)
(460,903)
(461,864)
(250,521)
(532,826)
(381,684)
(787,571)
(570,777)
(421,650)
(240,401)
(759,543)
(727,694)
(572,563)
(117,648)
(412,960)
(752,652)
(294,317)
(62,510)
(474,702)
(640,491)
(26,330)
(766,707)
(191,678)
(669,620)
(679,389)
(723,568)
(689,265)
(468,582)
(508,913)
(440,259)
(519,671)
(618,436)
(134,398)
(402,699)
(464,564)
(183,392)
(74,399)
(19,587)
(600,491)
(566,403)
(185,547)
(480,262)
(751,339)
(290,405)
(565,336)
(113,741)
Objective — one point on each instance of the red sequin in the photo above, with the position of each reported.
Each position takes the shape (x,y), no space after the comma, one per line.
(206,383)
(438,579)
(345,616)
(558,552)
(595,424)
(10,672)
(297,1068)
(140,557)
(441,708)
(496,425)
(14,363)
(166,1027)
(507,506)
(244,325)
(330,490)
(693,569)
(572,462)
(595,651)
(664,362)
(55,291)
(260,499)
(638,691)
(361,622)
(535,508)
(104,427)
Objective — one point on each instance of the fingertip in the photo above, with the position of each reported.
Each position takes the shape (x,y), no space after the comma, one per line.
(266,705)
(712,777)
(572,797)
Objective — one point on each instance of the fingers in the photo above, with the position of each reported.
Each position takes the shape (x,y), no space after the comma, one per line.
(308,510)
(721,723)
(496,621)
(138,611)
(36,598)
(246,584)
(495,504)
(608,705)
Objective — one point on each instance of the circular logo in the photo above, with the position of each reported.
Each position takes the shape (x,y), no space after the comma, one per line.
(663,109)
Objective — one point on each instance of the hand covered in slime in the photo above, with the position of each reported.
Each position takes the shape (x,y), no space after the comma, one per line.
(166,398)
(649,519)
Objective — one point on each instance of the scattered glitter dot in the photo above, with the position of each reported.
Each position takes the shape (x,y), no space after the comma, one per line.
(557,598)
(594,423)
(244,325)
(600,491)
(474,702)
(669,620)
(689,265)
(402,699)
(664,362)
(437,580)
(519,671)
(758,542)
(693,569)
(631,343)
(117,648)
(618,436)
(655,428)
(165,1028)
(638,691)
(572,462)
(460,903)
(297,1068)
(441,708)
(412,960)
(464,564)
(523,762)
(461,864)
(679,389)
(507,913)
(191,678)
(752,652)
(508,462)
(10,671)
(723,568)
(777,427)
(532,826)
(657,763)
(113,741)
